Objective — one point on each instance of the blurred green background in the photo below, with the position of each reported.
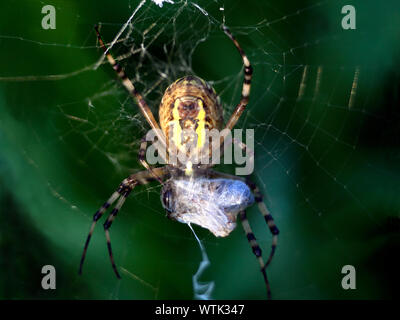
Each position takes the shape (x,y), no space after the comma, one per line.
(329,170)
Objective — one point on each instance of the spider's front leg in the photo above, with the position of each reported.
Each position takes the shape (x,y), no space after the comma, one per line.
(250,235)
(121,194)
(247,228)
(267,216)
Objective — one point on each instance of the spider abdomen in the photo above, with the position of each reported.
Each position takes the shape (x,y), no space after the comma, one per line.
(189,103)
(211,203)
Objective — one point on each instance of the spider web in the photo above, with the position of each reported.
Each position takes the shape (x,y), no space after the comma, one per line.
(326,156)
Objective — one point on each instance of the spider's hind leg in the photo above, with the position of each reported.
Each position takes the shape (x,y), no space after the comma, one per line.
(248,75)
(144,108)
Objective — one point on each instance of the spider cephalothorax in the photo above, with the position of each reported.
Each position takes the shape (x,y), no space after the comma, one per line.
(192,194)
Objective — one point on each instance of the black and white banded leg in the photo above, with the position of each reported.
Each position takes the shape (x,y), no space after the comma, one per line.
(142,159)
(144,108)
(256,248)
(120,194)
(109,221)
(267,216)
(246,226)
(248,74)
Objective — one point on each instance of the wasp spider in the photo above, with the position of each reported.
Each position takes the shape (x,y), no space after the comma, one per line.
(191,194)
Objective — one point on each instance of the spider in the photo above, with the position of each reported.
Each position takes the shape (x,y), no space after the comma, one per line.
(191,194)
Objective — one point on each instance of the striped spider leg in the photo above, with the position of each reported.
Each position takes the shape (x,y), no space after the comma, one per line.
(144,108)
(124,189)
(248,72)
(143,162)
(246,226)
(244,99)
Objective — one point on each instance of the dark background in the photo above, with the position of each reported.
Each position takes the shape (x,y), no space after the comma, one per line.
(330,172)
